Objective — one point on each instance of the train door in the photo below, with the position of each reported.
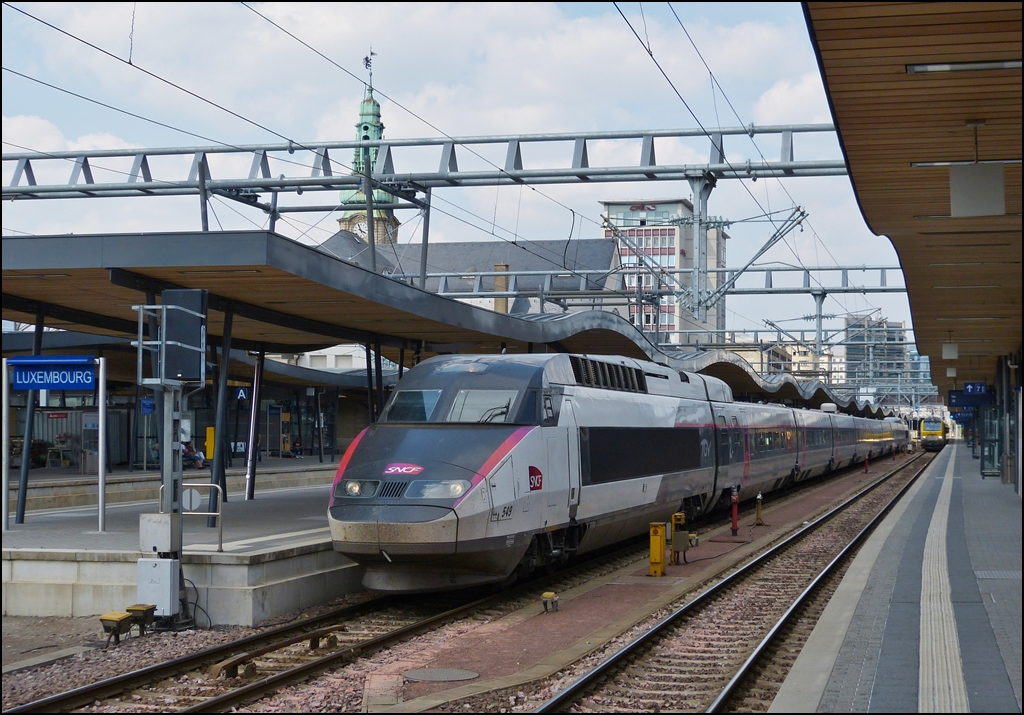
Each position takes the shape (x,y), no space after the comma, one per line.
(569,421)
(556,479)
(503,492)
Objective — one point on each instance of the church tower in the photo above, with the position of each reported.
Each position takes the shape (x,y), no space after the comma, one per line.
(353,217)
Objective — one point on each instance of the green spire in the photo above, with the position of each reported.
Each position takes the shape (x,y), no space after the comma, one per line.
(369,128)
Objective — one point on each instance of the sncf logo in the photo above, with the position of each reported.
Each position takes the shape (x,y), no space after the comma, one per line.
(398,468)
(536,479)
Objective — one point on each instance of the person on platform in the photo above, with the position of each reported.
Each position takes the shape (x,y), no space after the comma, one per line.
(297,448)
(190,455)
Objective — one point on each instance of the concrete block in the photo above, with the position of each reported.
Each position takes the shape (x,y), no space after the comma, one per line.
(93,599)
(96,572)
(233,576)
(289,567)
(38,599)
(228,606)
(39,571)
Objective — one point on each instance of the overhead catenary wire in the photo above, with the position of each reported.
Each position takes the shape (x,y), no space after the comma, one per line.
(232,112)
(725,96)
(412,113)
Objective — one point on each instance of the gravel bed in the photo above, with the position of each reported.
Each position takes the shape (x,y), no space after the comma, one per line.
(94,665)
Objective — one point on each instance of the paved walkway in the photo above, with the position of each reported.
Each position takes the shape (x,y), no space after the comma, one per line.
(273,518)
(928,618)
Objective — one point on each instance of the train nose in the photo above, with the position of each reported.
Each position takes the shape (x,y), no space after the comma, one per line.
(394,532)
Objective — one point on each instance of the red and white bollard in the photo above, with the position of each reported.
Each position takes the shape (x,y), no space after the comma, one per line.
(735,499)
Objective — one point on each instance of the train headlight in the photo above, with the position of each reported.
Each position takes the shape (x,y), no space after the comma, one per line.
(353,488)
(423,489)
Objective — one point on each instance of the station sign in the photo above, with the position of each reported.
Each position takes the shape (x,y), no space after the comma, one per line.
(960,398)
(147,406)
(53,372)
(975,388)
(962,417)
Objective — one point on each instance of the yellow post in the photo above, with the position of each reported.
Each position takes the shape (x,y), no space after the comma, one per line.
(658,530)
(209,444)
(680,537)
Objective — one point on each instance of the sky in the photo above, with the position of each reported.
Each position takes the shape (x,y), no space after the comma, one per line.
(466,69)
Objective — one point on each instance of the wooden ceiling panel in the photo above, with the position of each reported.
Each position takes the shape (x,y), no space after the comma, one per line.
(889,119)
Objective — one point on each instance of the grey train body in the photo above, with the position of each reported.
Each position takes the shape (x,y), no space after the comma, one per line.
(483,468)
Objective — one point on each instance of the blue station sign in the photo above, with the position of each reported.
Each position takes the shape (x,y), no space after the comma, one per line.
(53,372)
(975,388)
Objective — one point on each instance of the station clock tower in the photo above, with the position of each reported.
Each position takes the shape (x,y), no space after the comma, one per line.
(353,217)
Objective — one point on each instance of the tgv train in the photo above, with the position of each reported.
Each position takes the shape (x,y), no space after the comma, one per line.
(484,468)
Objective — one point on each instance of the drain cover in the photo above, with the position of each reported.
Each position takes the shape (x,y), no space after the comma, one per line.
(440,675)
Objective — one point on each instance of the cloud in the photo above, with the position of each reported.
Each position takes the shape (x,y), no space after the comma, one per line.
(788,102)
(34,133)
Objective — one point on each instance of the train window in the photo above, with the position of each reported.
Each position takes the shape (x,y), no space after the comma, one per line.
(412,406)
(723,441)
(528,412)
(482,406)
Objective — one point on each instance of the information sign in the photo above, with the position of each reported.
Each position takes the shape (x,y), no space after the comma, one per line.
(53,372)
(242,394)
(975,388)
(146,406)
(960,398)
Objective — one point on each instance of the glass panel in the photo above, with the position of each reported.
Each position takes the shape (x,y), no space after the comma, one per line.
(437,490)
(412,406)
(482,406)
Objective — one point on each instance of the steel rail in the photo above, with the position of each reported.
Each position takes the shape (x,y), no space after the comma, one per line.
(119,683)
(237,652)
(259,688)
(719,702)
(578,687)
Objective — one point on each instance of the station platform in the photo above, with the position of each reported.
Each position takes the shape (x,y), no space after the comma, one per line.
(928,616)
(63,487)
(277,556)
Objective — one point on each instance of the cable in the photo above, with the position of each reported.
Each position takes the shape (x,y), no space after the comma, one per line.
(195,605)
(414,114)
(725,96)
(153,121)
(254,123)
(156,76)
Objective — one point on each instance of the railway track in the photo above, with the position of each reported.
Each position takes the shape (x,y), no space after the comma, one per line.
(219,678)
(242,671)
(695,658)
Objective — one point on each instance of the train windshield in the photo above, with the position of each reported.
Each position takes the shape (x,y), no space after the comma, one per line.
(932,425)
(482,406)
(413,405)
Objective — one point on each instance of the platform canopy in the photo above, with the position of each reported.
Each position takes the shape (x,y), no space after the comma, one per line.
(289,297)
(284,296)
(926,98)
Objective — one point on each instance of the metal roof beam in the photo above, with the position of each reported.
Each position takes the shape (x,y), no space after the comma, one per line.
(141,283)
(70,315)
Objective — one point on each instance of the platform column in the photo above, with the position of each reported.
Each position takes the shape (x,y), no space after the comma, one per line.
(378,366)
(7,450)
(220,420)
(101,462)
(30,416)
(254,429)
